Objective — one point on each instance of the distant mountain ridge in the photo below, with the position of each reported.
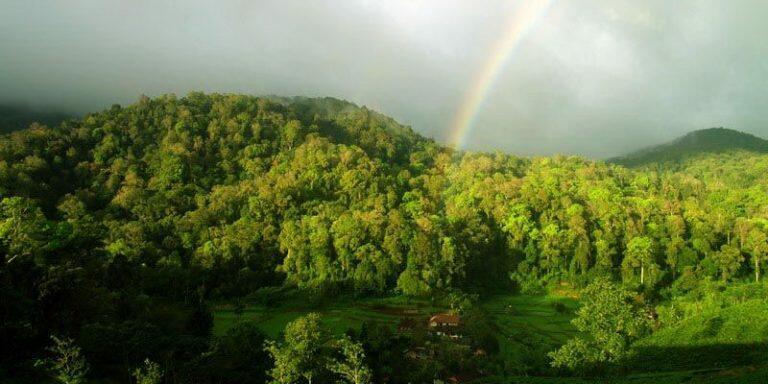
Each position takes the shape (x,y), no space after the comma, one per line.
(710,140)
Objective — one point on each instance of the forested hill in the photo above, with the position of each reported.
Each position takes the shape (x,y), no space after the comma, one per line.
(13,118)
(712,140)
(198,142)
(321,193)
(114,223)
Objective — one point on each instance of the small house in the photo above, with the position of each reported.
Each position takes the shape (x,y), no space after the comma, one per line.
(444,320)
(443,324)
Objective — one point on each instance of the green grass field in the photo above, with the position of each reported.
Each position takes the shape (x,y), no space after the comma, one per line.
(527,326)
(341,315)
(744,375)
(530,326)
(717,338)
(514,314)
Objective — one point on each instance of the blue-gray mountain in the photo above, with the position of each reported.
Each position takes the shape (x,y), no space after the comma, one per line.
(711,140)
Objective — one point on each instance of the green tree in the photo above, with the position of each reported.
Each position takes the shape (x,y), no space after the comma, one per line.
(550,247)
(757,242)
(298,356)
(674,242)
(352,367)
(728,260)
(150,373)
(67,362)
(605,251)
(608,322)
(578,237)
(22,228)
(517,226)
(410,283)
(639,254)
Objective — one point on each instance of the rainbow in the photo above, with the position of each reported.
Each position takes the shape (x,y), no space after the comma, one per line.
(520,23)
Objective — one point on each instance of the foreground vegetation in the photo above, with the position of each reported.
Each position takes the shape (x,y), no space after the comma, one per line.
(524,328)
(121,230)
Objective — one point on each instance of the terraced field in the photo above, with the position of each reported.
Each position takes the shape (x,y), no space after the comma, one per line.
(535,314)
(530,326)
(527,326)
(337,317)
(514,314)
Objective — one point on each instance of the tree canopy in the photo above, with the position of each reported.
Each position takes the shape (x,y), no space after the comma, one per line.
(174,200)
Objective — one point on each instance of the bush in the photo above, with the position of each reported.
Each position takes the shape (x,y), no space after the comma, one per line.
(150,373)
(560,308)
(236,357)
(529,284)
(272,296)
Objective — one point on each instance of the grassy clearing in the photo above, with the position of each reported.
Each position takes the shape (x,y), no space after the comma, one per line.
(530,326)
(536,314)
(716,327)
(527,327)
(514,314)
(339,316)
(719,343)
(745,375)
(718,338)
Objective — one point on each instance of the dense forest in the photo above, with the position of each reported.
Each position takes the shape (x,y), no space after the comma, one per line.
(118,229)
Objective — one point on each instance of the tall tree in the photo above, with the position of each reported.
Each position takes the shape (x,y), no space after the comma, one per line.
(728,260)
(352,368)
(639,254)
(298,356)
(757,241)
(67,363)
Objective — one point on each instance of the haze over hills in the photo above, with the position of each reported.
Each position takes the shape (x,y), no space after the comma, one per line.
(15,117)
(710,140)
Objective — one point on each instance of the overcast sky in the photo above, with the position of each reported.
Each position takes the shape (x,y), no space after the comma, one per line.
(591,77)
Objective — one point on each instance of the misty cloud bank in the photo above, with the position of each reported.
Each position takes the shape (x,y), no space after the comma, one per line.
(592,77)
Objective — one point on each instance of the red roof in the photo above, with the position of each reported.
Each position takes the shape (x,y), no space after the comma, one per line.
(444,318)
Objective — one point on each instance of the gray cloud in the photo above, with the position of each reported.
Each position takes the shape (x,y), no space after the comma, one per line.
(592,77)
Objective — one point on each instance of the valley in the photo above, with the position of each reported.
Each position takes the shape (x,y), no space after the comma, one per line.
(231,238)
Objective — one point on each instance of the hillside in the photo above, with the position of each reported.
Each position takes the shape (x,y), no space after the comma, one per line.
(711,140)
(321,193)
(128,221)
